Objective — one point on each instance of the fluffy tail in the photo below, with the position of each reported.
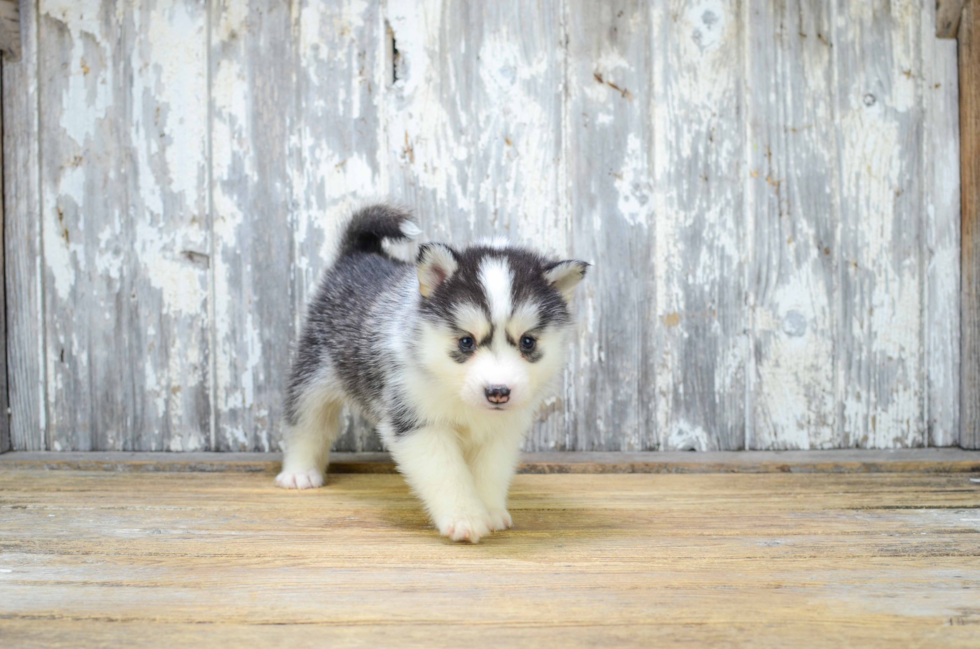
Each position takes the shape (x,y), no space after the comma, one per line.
(371,224)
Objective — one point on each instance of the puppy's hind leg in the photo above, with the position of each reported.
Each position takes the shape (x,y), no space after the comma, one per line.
(315,427)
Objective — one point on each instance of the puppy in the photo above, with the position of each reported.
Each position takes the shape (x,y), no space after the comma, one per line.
(449,357)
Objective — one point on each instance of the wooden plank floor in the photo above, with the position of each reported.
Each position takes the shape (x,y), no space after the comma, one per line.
(100,558)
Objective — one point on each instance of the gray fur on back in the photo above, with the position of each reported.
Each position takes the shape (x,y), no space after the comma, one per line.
(344,332)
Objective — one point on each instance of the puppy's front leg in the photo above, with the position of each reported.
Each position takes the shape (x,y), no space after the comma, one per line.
(432,462)
(493,465)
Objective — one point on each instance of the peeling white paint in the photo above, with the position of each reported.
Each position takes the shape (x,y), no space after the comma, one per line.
(712,295)
(634,186)
(178,35)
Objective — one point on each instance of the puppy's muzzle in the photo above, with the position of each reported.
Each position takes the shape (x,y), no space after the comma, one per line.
(498,394)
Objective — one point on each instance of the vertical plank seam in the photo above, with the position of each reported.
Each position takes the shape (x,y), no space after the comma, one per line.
(568,417)
(843,440)
(924,256)
(921,249)
(383,97)
(212,330)
(6,439)
(969,381)
(297,302)
(381,58)
(639,299)
(651,438)
(925,224)
(659,211)
(40,263)
(748,297)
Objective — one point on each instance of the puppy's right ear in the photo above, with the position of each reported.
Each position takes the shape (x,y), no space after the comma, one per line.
(435,264)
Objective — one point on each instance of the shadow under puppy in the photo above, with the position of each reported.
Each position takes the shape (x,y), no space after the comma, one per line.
(449,357)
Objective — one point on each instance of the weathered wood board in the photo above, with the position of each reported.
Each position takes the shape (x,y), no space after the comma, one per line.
(96,559)
(969,55)
(793,199)
(254,147)
(768,192)
(878,102)
(609,159)
(22,244)
(125,224)
(4,396)
(941,180)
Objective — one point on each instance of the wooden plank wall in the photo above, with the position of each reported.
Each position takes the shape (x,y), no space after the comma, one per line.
(768,191)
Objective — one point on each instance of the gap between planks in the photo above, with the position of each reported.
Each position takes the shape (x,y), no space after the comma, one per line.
(936,460)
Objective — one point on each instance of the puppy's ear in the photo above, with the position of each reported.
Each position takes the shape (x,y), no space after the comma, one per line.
(565,275)
(435,264)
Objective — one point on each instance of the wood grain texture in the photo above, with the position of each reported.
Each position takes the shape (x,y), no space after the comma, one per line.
(948,17)
(877,46)
(22,244)
(4,397)
(699,233)
(254,163)
(792,185)
(767,192)
(969,57)
(941,195)
(595,560)
(10,43)
(124,213)
(609,167)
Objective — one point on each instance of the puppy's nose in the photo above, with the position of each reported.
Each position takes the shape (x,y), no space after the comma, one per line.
(498,394)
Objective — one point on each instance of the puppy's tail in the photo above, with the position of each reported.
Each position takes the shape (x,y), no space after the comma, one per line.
(370,225)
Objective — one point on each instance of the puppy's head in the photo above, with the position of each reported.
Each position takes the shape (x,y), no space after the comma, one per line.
(493,322)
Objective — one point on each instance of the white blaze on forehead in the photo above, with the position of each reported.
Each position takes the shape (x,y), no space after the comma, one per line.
(471,319)
(526,318)
(496,277)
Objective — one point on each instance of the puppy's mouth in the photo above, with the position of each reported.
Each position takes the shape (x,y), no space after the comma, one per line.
(495,407)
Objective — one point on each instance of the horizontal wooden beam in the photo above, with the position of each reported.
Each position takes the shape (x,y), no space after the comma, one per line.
(933,460)
(10,29)
(948,17)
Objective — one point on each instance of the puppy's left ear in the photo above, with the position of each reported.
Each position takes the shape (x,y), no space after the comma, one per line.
(565,275)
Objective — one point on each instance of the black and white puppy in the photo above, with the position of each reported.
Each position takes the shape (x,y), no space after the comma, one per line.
(450,357)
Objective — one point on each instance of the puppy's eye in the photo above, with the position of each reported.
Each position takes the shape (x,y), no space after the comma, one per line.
(528,344)
(467,344)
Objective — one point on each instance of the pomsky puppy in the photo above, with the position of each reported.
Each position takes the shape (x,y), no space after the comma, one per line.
(449,357)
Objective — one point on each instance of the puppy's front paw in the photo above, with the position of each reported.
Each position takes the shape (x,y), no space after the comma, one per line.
(465,527)
(500,520)
(309,479)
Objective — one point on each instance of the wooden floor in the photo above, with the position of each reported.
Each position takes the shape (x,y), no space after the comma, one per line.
(102,558)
